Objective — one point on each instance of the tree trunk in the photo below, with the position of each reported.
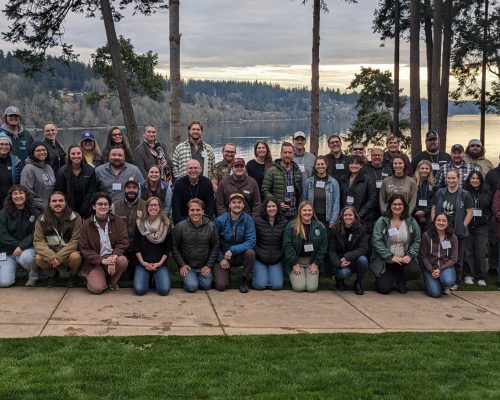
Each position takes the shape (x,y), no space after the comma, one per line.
(175,75)
(314,137)
(445,71)
(119,73)
(428,52)
(415,108)
(482,101)
(396,68)
(436,66)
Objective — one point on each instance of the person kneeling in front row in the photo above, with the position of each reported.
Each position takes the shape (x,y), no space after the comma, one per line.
(195,247)
(305,246)
(103,241)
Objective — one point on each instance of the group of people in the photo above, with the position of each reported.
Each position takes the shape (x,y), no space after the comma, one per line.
(101,214)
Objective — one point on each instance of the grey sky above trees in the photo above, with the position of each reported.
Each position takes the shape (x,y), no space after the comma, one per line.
(227,39)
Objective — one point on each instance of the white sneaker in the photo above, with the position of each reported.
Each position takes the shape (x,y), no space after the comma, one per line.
(446,290)
(468,280)
(481,282)
(454,287)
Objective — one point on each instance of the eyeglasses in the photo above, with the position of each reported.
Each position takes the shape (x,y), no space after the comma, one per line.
(40,151)
(102,204)
(357,148)
(154,206)
(334,142)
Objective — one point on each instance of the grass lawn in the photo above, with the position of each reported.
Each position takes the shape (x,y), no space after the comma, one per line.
(340,366)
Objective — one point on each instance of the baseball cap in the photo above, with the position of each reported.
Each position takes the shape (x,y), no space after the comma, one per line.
(238,161)
(88,136)
(131,181)
(476,142)
(299,134)
(457,147)
(236,196)
(431,135)
(12,110)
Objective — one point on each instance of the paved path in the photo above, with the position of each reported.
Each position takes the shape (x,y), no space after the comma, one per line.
(26,312)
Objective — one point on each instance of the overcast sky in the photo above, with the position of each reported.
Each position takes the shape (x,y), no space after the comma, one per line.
(268,40)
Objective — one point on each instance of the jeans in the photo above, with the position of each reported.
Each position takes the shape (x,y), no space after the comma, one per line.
(358,266)
(267,276)
(194,280)
(434,287)
(8,267)
(141,280)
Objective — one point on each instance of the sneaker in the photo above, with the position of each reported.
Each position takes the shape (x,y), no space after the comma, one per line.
(454,287)
(481,282)
(244,286)
(446,290)
(31,282)
(468,280)
(113,288)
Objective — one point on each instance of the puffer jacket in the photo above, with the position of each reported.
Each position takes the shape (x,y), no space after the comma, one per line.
(364,192)
(195,246)
(293,244)
(269,240)
(380,248)
(274,184)
(332,191)
(237,236)
(350,244)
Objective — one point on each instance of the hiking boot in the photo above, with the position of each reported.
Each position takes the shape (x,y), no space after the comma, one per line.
(244,286)
(468,280)
(73,281)
(339,284)
(358,288)
(52,280)
(31,282)
(113,288)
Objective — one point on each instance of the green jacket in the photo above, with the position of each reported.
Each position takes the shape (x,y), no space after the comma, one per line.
(380,249)
(16,231)
(274,184)
(292,244)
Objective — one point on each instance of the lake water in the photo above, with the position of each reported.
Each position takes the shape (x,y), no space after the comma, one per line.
(461,128)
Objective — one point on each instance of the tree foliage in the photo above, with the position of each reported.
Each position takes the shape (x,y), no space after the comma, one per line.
(374,121)
(139,68)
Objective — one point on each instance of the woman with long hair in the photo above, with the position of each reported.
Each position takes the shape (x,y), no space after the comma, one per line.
(323,192)
(476,247)
(17,224)
(117,138)
(269,228)
(91,151)
(305,245)
(257,167)
(438,256)
(77,180)
(38,176)
(398,183)
(395,246)
(154,186)
(152,245)
(426,187)
(348,249)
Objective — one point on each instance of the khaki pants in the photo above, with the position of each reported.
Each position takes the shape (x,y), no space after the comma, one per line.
(73,262)
(96,278)
(305,280)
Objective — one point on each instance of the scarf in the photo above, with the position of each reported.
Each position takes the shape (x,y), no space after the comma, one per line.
(155,231)
(161,159)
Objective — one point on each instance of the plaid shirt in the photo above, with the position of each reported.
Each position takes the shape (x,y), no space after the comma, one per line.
(465,169)
(290,196)
(182,155)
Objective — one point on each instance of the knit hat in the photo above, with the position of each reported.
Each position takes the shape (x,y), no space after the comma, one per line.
(5,137)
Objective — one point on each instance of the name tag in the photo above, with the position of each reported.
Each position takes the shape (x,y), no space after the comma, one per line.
(393,231)
(446,244)
(339,166)
(435,166)
(477,212)
(302,168)
(246,192)
(350,200)
(117,186)
(422,202)
(290,189)
(3,256)
(350,237)
(378,184)
(308,247)
(202,154)
(320,184)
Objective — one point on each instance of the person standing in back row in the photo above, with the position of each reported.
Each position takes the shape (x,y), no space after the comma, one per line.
(338,162)
(56,156)
(20,137)
(302,158)
(432,154)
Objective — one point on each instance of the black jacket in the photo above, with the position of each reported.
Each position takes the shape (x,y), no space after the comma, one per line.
(184,191)
(85,186)
(56,155)
(351,244)
(364,192)
(269,248)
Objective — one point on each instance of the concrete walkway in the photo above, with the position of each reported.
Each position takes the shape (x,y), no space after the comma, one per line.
(27,312)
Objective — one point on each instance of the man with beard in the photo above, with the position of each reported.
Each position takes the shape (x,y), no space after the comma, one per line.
(338,162)
(437,158)
(112,176)
(392,144)
(223,167)
(151,151)
(474,154)
(56,240)
(238,182)
(303,158)
(457,162)
(20,137)
(194,148)
(191,186)
(283,181)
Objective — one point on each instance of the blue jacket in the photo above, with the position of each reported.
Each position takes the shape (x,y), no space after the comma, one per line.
(332,191)
(237,236)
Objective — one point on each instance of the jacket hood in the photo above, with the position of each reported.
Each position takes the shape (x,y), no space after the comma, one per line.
(32,150)
(9,132)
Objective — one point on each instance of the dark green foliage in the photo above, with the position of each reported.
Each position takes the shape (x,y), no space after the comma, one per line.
(139,69)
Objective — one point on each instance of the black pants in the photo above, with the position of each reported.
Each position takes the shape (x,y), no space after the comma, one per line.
(395,273)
